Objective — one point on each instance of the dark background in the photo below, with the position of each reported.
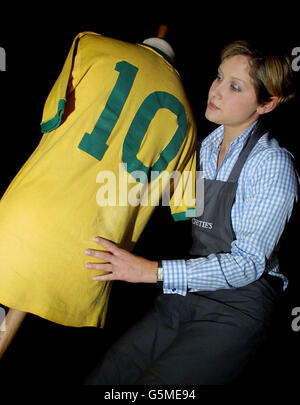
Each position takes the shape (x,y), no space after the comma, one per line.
(37,41)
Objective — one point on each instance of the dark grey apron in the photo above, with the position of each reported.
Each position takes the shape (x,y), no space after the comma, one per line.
(212,232)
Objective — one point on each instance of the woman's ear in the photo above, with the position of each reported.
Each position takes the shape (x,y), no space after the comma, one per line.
(269,106)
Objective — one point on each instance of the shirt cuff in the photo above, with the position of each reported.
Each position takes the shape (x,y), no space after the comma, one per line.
(175,277)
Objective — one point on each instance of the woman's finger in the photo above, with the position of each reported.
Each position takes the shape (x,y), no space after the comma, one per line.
(106,277)
(99,266)
(100,254)
(110,246)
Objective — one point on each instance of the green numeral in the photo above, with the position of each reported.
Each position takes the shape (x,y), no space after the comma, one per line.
(95,143)
(154,102)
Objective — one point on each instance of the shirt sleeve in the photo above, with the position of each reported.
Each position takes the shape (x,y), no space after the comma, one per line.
(268,205)
(183,197)
(55,103)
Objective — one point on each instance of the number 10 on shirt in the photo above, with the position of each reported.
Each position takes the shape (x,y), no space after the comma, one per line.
(95,142)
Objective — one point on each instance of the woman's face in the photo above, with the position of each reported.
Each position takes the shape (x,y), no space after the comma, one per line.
(232,99)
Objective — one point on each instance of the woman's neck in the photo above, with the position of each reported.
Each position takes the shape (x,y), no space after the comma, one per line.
(232,132)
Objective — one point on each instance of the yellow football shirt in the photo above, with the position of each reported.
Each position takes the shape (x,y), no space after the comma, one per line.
(116,121)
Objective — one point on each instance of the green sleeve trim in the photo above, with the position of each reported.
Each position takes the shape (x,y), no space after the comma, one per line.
(183,216)
(56,120)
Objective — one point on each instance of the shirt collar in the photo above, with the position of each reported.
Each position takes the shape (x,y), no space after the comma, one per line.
(214,139)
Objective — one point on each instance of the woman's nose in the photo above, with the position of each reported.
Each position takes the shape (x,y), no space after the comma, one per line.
(217,90)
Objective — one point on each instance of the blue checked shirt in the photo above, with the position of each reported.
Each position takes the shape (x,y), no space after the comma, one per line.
(265,196)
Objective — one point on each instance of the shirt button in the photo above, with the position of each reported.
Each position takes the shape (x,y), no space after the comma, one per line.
(173,289)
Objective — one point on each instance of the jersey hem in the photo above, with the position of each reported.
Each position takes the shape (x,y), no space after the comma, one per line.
(185,215)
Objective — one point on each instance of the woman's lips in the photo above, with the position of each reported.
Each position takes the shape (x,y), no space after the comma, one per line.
(212,106)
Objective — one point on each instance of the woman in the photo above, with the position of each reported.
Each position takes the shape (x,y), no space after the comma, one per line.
(216,308)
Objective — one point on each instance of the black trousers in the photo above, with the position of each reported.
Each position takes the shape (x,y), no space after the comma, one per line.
(202,338)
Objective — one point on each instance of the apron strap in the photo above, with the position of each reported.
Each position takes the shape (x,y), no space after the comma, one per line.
(257,132)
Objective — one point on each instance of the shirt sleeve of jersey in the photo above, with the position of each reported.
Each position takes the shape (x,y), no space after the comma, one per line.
(183,196)
(56,100)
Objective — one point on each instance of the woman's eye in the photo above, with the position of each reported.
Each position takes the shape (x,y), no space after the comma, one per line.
(235,87)
(218,77)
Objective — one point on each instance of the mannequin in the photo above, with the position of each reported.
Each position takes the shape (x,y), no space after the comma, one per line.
(15,317)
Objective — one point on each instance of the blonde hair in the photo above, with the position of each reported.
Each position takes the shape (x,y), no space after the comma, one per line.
(272,75)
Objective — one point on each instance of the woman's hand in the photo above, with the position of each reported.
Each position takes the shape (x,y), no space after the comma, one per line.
(121,265)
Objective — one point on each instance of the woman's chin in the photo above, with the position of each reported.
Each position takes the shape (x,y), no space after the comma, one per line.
(211,117)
